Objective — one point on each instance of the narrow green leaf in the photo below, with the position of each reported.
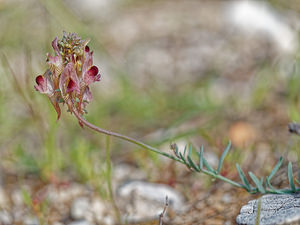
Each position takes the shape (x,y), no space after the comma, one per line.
(185,147)
(189,159)
(290,176)
(257,183)
(223,157)
(269,185)
(277,166)
(273,172)
(208,166)
(192,164)
(201,158)
(243,177)
(262,181)
(190,150)
(183,159)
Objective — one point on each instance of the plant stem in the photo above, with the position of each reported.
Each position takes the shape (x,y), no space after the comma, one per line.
(143,145)
(108,179)
(124,137)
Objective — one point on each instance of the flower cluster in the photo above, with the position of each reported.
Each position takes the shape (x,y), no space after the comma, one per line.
(70,73)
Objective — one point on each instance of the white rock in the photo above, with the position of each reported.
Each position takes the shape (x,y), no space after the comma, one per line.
(3,198)
(80,208)
(108,220)
(81,222)
(258,16)
(98,208)
(5,217)
(58,223)
(127,172)
(140,200)
(17,197)
(31,220)
(65,194)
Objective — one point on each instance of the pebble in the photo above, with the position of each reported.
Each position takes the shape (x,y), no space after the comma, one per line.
(5,217)
(31,220)
(140,201)
(81,222)
(98,209)
(80,208)
(275,210)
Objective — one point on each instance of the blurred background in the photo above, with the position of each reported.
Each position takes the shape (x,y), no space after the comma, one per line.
(194,71)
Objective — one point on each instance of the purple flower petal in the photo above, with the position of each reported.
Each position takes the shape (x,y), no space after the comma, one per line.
(55,46)
(90,75)
(69,80)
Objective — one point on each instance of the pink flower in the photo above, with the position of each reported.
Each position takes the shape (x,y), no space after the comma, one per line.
(70,73)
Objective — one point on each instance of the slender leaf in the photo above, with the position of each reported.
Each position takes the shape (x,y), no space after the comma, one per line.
(269,184)
(290,176)
(190,150)
(185,147)
(208,166)
(243,177)
(192,164)
(183,159)
(257,183)
(277,166)
(201,157)
(223,157)
(262,181)
(273,172)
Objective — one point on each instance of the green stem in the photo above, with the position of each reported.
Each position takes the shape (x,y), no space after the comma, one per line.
(148,147)
(108,178)
(124,137)
(220,177)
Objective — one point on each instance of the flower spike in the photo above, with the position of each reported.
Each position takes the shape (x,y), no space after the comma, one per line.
(70,73)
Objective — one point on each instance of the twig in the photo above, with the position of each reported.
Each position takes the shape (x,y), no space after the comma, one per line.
(164,211)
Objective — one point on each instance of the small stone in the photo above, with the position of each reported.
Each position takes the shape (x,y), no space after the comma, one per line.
(58,223)
(80,207)
(5,217)
(3,198)
(17,197)
(98,208)
(140,201)
(65,194)
(226,198)
(31,220)
(81,222)
(283,209)
(108,220)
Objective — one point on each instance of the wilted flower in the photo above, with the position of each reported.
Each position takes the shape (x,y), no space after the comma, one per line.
(70,73)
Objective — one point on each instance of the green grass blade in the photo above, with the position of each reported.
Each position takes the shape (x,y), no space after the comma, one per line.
(290,176)
(243,177)
(223,157)
(257,183)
